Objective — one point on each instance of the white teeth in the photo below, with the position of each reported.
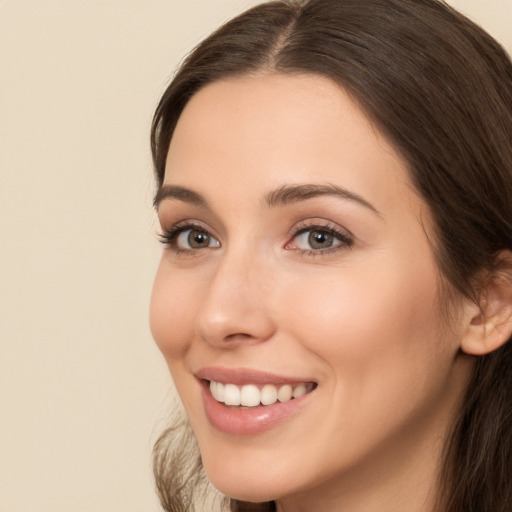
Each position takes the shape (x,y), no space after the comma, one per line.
(252,396)
(268,394)
(231,394)
(299,390)
(217,389)
(285,393)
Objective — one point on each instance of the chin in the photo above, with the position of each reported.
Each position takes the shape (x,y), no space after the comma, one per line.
(240,485)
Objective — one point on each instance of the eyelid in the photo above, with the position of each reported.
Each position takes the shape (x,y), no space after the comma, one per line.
(342,234)
(169,235)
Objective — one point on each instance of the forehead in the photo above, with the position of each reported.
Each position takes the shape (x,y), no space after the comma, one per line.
(258,132)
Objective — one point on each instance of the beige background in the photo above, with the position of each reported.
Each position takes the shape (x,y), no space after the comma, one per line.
(83,391)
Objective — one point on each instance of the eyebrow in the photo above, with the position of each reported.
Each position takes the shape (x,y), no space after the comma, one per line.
(282,196)
(179,193)
(289,194)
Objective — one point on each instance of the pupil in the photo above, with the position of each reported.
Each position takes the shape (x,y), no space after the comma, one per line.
(320,239)
(196,239)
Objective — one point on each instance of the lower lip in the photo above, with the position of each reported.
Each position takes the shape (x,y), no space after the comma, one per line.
(249,421)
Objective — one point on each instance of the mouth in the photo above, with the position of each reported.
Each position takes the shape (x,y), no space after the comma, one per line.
(254,395)
(246,402)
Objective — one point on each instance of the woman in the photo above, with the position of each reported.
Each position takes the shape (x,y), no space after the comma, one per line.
(334,300)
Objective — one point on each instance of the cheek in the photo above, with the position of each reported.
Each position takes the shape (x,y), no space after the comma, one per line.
(364,319)
(377,337)
(171,313)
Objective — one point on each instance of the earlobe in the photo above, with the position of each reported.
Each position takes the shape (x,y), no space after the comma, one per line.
(490,323)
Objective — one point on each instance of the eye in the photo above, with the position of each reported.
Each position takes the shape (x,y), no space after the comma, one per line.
(188,238)
(318,239)
(195,239)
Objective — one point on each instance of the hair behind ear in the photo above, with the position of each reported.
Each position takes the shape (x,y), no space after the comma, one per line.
(478,457)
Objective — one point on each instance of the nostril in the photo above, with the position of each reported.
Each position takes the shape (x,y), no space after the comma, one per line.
(241,335)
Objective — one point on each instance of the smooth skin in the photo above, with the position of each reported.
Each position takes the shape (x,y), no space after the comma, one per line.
(338,288)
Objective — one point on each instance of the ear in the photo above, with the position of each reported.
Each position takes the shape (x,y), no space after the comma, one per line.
(489,324)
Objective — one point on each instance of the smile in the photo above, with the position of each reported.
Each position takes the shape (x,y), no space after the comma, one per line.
(251,395)
(246,402)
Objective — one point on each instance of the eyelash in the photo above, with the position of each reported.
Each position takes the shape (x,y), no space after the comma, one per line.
(169,238)
(346,240)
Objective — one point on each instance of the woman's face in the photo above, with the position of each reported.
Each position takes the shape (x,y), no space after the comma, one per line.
(297,261)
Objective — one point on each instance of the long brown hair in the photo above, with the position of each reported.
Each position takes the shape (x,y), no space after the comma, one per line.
(440,89)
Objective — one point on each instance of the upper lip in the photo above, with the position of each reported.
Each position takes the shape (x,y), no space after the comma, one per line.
(243,376)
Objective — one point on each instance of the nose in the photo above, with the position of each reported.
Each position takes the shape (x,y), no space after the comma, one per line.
(236,307)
